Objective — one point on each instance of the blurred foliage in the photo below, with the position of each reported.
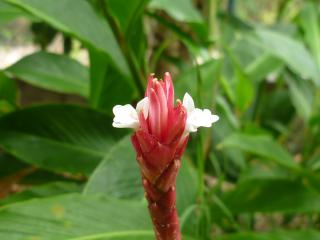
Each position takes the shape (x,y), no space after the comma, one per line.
(254,63)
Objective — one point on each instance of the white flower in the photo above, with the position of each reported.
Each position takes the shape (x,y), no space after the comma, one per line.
(127,117)
(197,117)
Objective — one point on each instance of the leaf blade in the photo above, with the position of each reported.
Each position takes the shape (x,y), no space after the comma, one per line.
(92,30)
(262,146)
(58,137)
(53,72)
(281,46)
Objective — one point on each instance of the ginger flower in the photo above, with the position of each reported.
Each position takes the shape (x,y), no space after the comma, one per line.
(127,117)
(160,137)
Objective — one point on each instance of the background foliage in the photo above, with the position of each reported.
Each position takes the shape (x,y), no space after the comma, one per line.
(65,173)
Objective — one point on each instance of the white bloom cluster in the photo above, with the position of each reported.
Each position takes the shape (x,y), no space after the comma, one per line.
(127,117)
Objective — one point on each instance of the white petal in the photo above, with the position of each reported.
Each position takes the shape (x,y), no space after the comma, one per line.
(200,118)
(122,125)
(123,110)
(125,117)
(143,105)
(188,102)
(207,118)
(214,118)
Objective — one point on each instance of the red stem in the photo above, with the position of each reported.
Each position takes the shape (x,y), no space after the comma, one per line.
(162,204)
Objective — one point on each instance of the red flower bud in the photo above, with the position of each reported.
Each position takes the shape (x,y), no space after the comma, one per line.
(160,138)
(160,143)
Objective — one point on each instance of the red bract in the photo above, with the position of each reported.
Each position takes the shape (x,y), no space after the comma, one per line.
(160,141)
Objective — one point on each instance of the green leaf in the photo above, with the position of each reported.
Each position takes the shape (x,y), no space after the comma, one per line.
(270,195)
(244,88)
(310,23)
(126,12)
(233,158)
(107,86)
(130,18)
(75,217)
(53,72)
(45,190)
(302,96)
(260,170)
(58,137)
(314,163)
(42,177)
(204,76)
(8,94)
(263,146)
(84,23)
(118,175)
(9,13)
(224,106)
(277,235)
(268,109)
(9,165)
(181,10)
(292,52)
(98,81)
(187,186)
(238,84)
(5,107)
(8,89)
(262,66)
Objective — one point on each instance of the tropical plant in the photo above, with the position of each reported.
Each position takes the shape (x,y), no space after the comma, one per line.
(66,173)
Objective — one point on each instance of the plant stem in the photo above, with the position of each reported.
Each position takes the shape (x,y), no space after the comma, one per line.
(162,204)
(136,74)
(200,153)
(213,21)
(201,166)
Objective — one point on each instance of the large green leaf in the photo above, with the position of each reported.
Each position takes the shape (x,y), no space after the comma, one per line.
(45,190)
(53,72)
(270,195)
(278,235)
(118,176)
(58,137)
(75,217)
(82,22)
(9,13)
(310,19)
(263,146)
(292,52)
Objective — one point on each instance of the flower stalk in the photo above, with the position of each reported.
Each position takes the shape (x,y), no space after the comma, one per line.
(160,138)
